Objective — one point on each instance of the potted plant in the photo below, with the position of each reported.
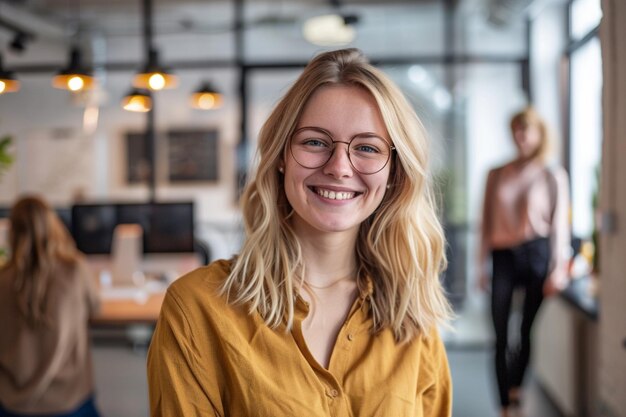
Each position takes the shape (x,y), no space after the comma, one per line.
(6,159)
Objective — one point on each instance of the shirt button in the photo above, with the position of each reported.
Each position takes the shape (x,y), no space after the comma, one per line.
(332,392)
(351,336)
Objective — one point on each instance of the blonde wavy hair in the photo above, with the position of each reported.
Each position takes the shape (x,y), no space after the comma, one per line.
(39,242)
(401,246)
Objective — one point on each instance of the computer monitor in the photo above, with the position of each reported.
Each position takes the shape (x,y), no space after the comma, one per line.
(171,228)
(5,212)
(167,227)
(92,227)
(65,214)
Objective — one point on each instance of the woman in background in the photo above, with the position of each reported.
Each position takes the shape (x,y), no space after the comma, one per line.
(525,229)
(47,294)
(332,306)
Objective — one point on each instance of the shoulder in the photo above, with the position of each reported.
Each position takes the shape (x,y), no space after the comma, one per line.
(431,341)
(557,171)
(496,171)
(557,174)
(432,355)
(198,292)
(205,280)
(72,270)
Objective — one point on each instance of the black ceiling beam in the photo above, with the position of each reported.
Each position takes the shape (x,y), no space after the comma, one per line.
(16,29)
(250,66)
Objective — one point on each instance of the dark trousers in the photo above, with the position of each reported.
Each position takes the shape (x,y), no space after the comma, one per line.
(524,266)
(87,409)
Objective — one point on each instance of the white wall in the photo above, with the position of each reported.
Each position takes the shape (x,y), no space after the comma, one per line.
(548,43)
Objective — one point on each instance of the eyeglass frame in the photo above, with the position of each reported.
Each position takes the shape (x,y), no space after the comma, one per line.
(333,141)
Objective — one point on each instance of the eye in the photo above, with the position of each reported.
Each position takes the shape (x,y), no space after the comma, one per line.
(369,145)
(366,148)
(315,142)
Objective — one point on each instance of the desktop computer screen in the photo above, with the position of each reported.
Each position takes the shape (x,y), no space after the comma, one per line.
(171,228)
(65,214)
(92,227)
(167,227)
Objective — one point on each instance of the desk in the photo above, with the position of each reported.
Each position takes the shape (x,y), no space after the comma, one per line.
(124,312)
(141,305)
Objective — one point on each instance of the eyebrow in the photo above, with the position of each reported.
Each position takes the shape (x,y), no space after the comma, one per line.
(362,134)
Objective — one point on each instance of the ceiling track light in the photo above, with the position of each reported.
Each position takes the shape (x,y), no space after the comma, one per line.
(206,97)
(334,29)
(19,41)
(330,29)
(137,100)
(74,77)
(153,76)
(8,82)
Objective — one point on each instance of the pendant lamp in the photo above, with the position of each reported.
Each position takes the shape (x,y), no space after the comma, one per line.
(137,100)
(8,82)
(153,76)
(206,97)
(74,77)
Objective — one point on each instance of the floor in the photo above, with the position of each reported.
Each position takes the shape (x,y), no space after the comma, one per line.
(122,390)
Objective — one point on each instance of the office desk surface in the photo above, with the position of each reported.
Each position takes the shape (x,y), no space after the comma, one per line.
(123,306)
(125,311)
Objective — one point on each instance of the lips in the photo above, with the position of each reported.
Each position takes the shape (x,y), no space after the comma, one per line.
(333,194)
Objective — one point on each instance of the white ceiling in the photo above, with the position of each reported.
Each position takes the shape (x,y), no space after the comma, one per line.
(194,29)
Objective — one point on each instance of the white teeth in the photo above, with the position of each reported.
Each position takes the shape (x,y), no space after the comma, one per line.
(335,195)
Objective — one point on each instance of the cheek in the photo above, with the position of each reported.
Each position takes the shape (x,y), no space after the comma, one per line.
(293,181)
(378,185)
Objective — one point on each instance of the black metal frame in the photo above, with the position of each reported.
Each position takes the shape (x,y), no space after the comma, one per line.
(572,47)
(449,59)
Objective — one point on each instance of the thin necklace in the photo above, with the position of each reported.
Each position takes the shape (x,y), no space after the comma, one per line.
(324,287)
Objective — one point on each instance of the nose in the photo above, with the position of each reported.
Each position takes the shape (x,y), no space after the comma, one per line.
(339,165)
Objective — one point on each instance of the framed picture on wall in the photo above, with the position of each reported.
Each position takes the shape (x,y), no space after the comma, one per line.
(193,155)
(137,161)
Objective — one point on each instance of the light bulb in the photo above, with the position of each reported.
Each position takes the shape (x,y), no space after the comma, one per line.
(75,83)
(3,86)
(206,101)
(328,30)
(136,104)
(156,81)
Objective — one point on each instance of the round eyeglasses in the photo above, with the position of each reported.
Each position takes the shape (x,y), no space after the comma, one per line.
(312,147)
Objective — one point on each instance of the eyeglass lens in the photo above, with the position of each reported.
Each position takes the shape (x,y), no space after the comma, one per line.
(312,148)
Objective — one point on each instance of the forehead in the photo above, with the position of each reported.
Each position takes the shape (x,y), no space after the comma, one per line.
(343,110)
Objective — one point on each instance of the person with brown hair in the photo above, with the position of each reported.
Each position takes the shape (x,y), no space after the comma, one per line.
(47,294)
(525,232)
(332,306)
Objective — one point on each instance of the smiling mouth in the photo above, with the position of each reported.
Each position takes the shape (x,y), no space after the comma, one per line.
(334,195)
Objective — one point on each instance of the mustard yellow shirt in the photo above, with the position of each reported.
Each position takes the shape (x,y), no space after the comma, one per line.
(209,358)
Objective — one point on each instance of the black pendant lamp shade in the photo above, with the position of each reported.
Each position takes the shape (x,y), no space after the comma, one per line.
(74,77)
(206,97)
(8,82)
(137,100)
(153,76)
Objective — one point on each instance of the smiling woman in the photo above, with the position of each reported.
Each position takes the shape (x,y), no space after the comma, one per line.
(332,306)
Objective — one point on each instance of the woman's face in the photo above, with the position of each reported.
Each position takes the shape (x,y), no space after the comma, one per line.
(336,197)
(527,139)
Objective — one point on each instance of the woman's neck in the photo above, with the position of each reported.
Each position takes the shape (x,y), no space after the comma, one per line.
(328,258)
(522,162)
